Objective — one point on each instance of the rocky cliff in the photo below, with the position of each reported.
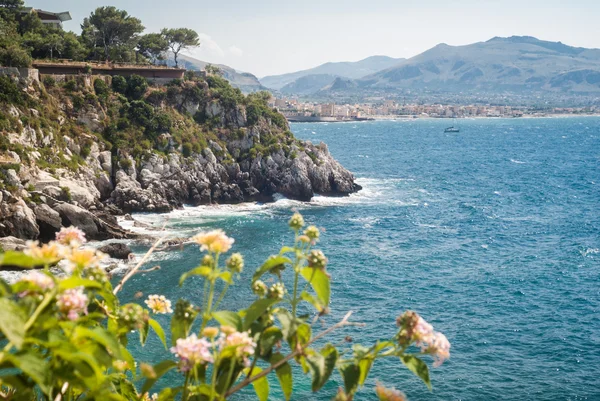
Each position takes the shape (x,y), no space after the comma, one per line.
(79,152)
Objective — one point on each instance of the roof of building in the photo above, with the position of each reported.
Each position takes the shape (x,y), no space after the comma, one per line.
(61,16)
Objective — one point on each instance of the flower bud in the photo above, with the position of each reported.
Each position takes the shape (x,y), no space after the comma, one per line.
(277,291)
(210,332)
(132,316)
(304,239)
(208,260)
(312,232)
(259,288)
(228,329)
(388,394)
(317,260)
(235,263)
(296,222)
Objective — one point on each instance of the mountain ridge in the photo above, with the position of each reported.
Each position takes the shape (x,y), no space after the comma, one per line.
(344,69)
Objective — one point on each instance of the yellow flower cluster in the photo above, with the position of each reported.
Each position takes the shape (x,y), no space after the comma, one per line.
(213,241)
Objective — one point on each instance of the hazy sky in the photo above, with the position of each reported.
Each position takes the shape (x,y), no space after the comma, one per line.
(268,37)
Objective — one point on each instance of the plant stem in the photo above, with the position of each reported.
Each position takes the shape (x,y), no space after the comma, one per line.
(184,397)
(137,267)
(300,350)
(222,295)
(230,373)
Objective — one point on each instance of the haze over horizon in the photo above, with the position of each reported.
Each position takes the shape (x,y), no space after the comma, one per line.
(264,38)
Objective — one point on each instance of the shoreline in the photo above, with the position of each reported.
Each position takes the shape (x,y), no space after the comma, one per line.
(428,118)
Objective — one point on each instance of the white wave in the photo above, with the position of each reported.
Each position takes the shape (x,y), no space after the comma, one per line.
(517,161)
(590,251)
(185,221)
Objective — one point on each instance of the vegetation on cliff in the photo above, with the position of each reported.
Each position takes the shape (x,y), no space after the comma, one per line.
(67,338)
(107,34)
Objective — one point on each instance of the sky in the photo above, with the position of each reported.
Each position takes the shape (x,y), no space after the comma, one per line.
(269,37)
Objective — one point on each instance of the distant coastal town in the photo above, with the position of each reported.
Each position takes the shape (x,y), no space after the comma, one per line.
(298,111)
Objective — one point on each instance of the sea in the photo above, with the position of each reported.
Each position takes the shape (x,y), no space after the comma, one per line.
(492,234)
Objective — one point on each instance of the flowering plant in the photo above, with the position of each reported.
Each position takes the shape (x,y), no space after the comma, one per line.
(65,337)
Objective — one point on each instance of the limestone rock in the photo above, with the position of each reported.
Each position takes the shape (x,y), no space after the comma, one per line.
(48,220)
(17,219)
(12,244)
(116,250)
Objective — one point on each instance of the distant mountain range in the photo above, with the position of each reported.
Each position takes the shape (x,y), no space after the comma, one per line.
(317,77)
(518,64)
(243,80)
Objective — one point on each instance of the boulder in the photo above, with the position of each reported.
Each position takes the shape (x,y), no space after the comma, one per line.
(17,219)
(72,215)
(12,244)
(116,250)
(48,220)
(95,227)
(80,193)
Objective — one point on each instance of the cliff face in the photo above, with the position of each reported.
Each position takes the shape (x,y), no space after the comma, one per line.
(64,160)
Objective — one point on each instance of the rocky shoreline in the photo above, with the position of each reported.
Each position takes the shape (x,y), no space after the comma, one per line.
(244,161)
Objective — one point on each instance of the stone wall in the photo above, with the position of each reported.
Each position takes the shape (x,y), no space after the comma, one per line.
(25,75)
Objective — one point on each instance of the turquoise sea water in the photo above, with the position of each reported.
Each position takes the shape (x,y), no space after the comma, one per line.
(492,234)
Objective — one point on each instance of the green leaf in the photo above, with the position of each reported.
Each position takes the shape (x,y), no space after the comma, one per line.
(365,367)
(269,264)
(226,277)
(418,367)
(158,330)
(321,365)
(319,281)
(169,394)
(287,249)
(19,259)
(33,366)
(270,336)
(351,375)
(228,318)
(311,300)
(303,333)
(159,369)
(74,282)
(284,375)
(144,333)
(261,386)
(289,324)
(255,310)
(100,336)
(203,271)
(12,322)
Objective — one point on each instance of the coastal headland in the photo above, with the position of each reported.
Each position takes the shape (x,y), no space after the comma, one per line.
(79,149)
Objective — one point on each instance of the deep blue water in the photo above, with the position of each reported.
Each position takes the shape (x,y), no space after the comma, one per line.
(491,234)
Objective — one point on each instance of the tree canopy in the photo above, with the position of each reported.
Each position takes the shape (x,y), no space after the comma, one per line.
(108,33)
(113,31)
(153,46)
(180,39)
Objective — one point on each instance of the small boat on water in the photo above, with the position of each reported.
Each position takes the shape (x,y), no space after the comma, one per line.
(452,129)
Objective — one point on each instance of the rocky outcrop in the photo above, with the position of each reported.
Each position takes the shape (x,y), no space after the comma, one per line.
(93,227)
(17,219)
(116,250)
(48,220)
(247,153)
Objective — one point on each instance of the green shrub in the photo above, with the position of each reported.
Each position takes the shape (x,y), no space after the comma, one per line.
(136,87)
(74,329)
(14,56)
(70,85)
(67,192)
(10,91)
(100,87)
(49,81)
(125,163)
(187,149)
(119,84)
